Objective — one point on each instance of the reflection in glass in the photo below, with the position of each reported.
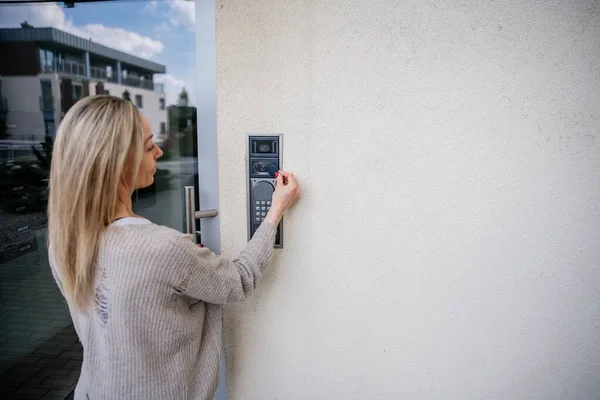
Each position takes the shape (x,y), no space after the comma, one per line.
(52,57)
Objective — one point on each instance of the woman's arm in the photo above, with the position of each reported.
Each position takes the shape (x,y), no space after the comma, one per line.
(219,280)
(215,279)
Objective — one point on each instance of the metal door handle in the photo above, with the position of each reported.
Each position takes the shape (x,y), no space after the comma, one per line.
(191,215)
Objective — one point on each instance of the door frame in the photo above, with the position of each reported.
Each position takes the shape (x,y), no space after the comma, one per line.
(206,111)
(207,135)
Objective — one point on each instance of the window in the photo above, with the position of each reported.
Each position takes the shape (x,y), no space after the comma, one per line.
(46,88)
(162,104)
(46,60)
(138,100)
(54,76)
(49,128)
(77,92)
(46,101)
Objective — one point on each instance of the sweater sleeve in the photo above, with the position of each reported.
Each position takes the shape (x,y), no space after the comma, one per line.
(218,280)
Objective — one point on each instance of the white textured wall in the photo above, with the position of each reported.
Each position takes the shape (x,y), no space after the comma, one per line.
(447,244)
(23,93)
(23,98)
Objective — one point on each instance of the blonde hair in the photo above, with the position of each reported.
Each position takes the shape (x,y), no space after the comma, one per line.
(98,143)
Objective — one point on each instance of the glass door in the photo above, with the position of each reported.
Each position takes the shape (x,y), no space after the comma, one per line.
(143,51)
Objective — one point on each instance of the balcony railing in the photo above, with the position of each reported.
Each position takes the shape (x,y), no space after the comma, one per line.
(143,83)
(78,69)
(65,67)
(101,73)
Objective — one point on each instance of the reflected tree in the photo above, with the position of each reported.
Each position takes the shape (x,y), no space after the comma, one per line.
(46,158)
(183,100)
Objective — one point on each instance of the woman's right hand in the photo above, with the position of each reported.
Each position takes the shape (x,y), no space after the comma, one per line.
(286,193)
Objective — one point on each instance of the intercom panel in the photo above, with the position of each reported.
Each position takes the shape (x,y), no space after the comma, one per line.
(264,159)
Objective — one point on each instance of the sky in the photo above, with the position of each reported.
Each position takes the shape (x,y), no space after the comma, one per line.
(162,31)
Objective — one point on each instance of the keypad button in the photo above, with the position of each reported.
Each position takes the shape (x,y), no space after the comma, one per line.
(257,219)
(262,220)
(257,208)
(264,214)
(268,203)
(263,202)
(258,213)
(257,201)
(268,208)
(263,208)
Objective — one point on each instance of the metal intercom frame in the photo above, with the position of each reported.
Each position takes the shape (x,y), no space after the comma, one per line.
(250,182)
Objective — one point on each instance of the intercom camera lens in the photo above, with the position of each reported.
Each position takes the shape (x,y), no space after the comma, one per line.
(260,167)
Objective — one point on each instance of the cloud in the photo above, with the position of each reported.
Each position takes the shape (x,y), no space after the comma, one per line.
(51,15)
(177,13)
(151,7)
(42,15)
(183,12)
(161,28)
(127,41)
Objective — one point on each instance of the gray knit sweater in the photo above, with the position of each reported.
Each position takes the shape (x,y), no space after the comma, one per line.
(155,329)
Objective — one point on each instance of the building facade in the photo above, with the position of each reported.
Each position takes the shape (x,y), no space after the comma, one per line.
(45,71)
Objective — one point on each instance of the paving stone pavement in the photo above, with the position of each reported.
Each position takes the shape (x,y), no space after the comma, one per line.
(40,354)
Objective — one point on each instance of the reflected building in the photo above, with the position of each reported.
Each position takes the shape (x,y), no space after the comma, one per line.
(43,72)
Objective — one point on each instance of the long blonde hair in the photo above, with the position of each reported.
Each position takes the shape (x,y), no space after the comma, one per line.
(98,144)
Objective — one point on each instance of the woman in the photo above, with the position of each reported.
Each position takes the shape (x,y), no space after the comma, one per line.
(145,299)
